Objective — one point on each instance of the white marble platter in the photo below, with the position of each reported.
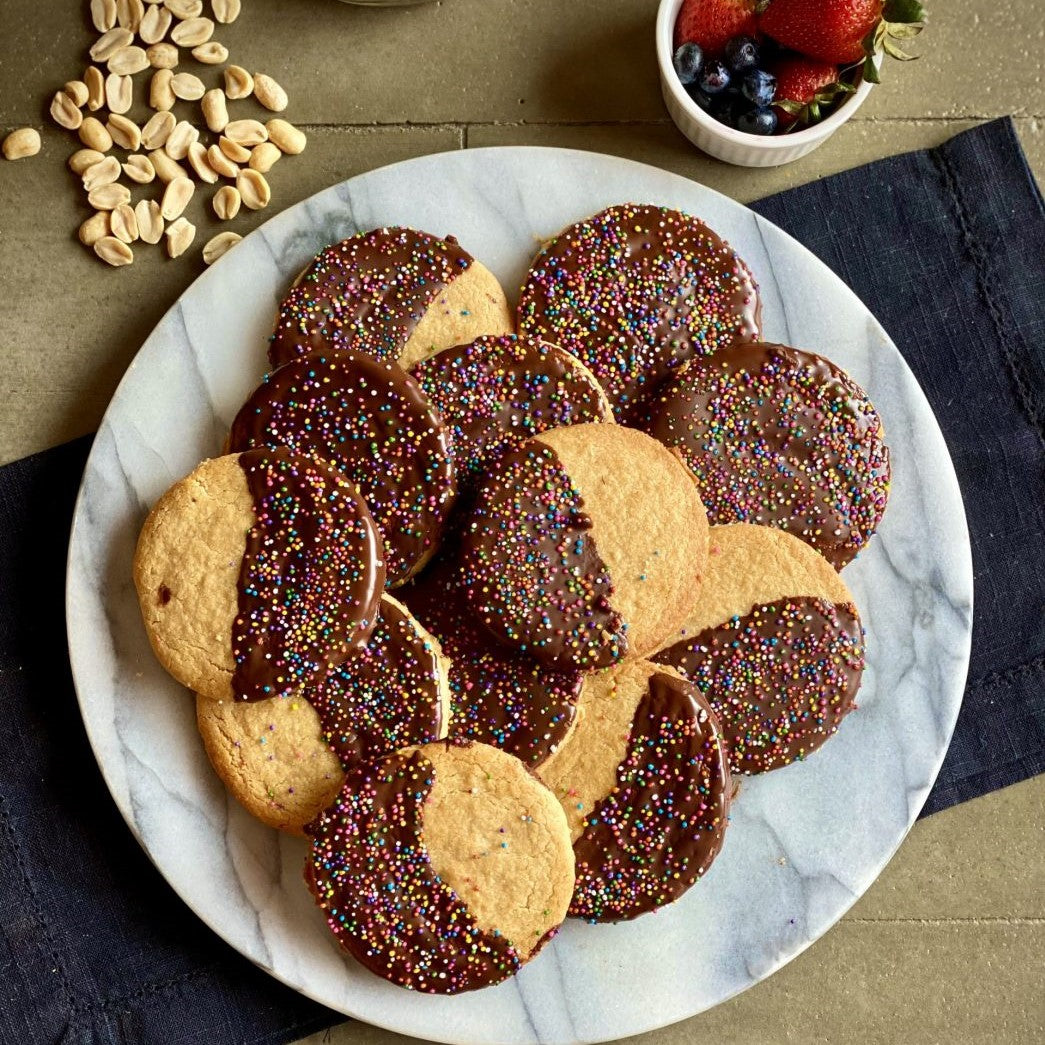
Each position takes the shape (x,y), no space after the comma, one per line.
(804,842)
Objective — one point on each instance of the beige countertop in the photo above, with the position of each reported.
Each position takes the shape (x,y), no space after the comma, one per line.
(949,944)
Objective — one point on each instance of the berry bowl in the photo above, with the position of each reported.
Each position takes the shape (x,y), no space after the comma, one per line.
(725,143)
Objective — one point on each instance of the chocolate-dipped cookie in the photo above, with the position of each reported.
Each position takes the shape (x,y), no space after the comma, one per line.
(497,695)
(779,437)
(775,645)
(258,574)
(584,545)
(645,787)
(442,868)
(499,391)
(284,758)
(371,420)
(634,292)
(393,293)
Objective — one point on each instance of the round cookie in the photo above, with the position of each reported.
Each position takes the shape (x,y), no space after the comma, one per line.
(497,696)
(779,437)
(497,392)
(645,787)
(283,758)
(634,292)
(393,293)
(775,645)
(585,545)
(442,868)
(257,574)
(371,420)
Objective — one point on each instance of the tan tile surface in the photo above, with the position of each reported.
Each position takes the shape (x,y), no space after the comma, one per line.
(949,944)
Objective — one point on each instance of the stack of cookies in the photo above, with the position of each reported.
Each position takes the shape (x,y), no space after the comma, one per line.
(494,608)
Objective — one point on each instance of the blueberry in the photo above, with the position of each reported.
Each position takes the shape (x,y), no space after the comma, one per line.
(715,77)
(757,121)
(689,61)
(759,87)
(741,54)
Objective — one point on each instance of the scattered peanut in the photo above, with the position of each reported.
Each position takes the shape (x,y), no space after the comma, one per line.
(109,43)
(215,110)
(129,14)
(129,60)
(187,87)
(238,82)
(221,244)
(92,230)
(226,203)
(161,91)
(220,163)
(184,8)
(211,53)
(253,189)
(179,140)
(103,14)
(180,235)
(84,158)
(166,168)
(113,252)
(77,90)
(124,224)
(286,137)
(125,133)
(119,92)
(246,132)
(92,77)
(263,157)
(225,11)
(155,24)
(156,132)
(65,112)
(139,169)
(104,172)
(21,143)
(109,197)
(235,152)
(94,135)
(163,56)
(199,163)
(192,32)
(150,221)
(176,198)
(269,93)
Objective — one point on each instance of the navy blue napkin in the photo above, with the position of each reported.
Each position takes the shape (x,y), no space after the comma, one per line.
(947,247)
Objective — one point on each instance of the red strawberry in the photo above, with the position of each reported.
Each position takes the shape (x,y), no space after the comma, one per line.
(831,30)
(712,23)
(802,82)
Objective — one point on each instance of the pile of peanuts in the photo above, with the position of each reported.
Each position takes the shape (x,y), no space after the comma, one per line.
(241,152)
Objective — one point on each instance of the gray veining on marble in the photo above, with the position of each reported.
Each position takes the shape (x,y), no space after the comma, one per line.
(804,842)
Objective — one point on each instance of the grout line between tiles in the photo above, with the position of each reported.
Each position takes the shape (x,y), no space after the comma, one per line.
(934,922)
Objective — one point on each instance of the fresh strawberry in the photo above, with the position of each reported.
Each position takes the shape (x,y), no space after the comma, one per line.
(713,23)
(830,30)
(803,85)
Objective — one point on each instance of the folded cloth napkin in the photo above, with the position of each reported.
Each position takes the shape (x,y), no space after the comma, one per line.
(947,247)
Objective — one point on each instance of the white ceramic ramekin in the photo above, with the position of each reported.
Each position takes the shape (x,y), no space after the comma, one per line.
(725,143)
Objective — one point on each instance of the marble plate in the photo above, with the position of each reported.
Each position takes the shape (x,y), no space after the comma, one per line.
(804,842)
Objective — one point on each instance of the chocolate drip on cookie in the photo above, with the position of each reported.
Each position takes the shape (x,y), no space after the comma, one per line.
(661,827)
(371,874)
(310,577)
(636,291)
(497,696)
(529,532)
(781,678)
(366,293)
(386,697)
(779,437)
(371,420)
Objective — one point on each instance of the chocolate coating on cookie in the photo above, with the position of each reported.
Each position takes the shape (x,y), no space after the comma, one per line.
(388,696)
(497,392)
(371,874)
(780,678)
(634,292)
(498,696)
(779,437)
(372,421)
(530,569)
(366,293)
(310,578)
(661,827)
